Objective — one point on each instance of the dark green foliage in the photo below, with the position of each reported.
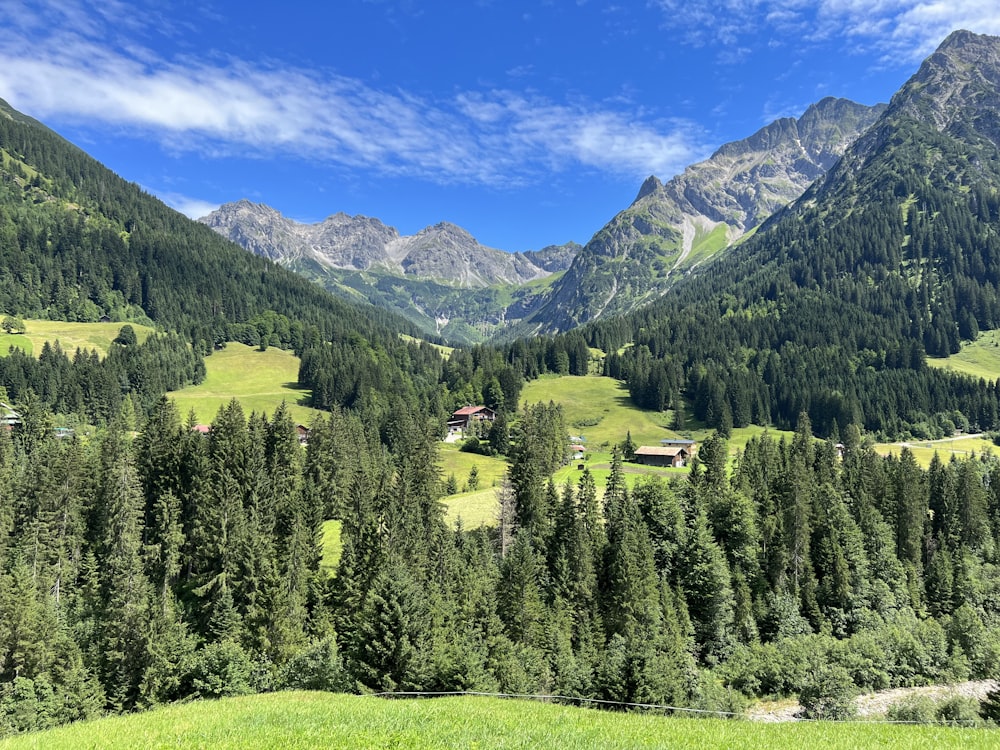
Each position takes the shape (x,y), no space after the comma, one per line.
(828,693)
(989,706)
(80,242)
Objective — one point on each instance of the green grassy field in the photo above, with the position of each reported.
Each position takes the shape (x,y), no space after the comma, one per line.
(923,452)
(584,399)
(70,336)
(332,546)
(322,720)
(259,380)
(603,401)
(980,358)
(478,507)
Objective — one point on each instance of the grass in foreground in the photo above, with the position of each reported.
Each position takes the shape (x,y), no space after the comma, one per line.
(323,720)
(260,381)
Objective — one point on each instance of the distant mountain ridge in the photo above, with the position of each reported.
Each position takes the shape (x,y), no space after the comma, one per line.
(668,229)
(444,252)
(672,227)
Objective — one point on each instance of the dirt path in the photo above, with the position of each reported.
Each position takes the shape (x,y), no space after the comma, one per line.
(874,704)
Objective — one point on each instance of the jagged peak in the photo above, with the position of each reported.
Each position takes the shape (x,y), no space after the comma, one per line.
(650,186)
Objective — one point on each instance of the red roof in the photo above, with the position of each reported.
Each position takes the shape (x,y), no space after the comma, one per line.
(468,410)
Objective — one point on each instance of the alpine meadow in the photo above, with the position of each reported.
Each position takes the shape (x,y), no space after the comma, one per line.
(260,475)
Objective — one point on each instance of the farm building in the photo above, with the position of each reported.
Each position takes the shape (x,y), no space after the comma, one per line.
(468,416)
(663,456)
(577,451)
(8,417)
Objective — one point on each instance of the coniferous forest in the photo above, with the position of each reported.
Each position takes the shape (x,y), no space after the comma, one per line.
(170,565)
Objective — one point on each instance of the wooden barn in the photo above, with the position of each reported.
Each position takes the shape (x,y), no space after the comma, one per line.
(675,456)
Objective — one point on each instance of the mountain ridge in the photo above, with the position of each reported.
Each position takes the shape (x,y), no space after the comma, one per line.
(442,252)
(674,226)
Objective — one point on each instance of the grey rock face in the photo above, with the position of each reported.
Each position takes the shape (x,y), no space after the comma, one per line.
(443,252)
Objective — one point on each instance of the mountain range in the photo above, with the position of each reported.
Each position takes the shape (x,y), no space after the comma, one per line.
(667,230)
(830,305)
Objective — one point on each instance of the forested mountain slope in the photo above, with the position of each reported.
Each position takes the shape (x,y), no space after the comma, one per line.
(672,227)
(832,307)
(78,242)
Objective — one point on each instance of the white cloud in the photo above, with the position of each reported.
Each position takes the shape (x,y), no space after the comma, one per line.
(193,208)
(898,32)
(79,70)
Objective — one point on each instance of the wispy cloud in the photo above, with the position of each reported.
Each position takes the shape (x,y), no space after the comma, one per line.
(193,208)
(898,32)
(65,59)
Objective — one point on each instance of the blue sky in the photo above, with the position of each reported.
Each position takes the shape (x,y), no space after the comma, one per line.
(528,124)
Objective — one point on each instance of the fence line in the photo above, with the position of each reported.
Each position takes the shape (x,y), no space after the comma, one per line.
(627,704)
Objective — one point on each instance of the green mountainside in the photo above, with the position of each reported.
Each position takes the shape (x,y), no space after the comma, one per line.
(672,228)
(445,282)
(833,305)
(156,561)
(78,242)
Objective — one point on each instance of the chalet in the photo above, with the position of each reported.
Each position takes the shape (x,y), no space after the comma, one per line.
(467,416)
(9,419)
(577,451)
(675,456)
(303,434)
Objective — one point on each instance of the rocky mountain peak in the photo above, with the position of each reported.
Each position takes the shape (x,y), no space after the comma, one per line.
(957,88)
(673,226)
(442,252)
(649,186)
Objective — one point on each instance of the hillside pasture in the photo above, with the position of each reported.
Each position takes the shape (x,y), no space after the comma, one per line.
(295,720)
(477,507)
(260,381)
(71,336)
(599,409)
(979,358)
(923,451)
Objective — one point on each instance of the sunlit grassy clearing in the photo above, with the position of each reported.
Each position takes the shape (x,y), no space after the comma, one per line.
(332,545)
(923,452)
(454,461)
(71,336)
(479,508)
(260,381)
(979,358)
(445,350)
(322,720)
(604,400)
